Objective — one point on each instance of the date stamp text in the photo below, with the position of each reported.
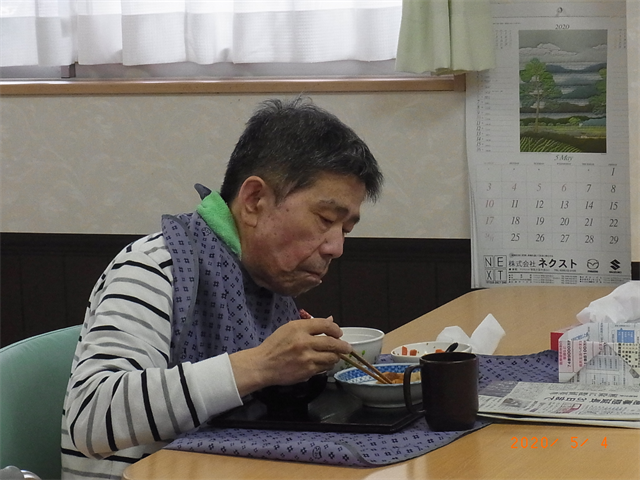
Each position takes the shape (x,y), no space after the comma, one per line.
(544,442)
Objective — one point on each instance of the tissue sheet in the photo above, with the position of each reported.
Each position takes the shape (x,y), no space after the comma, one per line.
(620,306)
(484,340)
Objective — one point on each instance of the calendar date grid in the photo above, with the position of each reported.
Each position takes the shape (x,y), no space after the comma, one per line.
(560,207)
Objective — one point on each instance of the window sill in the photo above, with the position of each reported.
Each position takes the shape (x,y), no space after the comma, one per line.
(229,86)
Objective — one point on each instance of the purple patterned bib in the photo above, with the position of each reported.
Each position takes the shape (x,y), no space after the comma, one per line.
(217,307)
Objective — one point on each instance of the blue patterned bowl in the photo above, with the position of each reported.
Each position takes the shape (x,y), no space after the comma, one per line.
(375,394)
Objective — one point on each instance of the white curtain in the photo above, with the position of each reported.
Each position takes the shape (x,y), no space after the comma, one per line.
(139,32)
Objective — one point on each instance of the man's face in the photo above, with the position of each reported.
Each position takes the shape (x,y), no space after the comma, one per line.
(293,242)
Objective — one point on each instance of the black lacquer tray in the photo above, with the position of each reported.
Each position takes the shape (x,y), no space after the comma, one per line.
(333,411)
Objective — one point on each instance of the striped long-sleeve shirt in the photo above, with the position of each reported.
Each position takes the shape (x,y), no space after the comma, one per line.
(123,402)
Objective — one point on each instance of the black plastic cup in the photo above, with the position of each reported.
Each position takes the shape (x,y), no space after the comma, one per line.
(449,390)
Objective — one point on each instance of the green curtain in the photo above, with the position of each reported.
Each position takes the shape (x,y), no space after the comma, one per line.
(445,36)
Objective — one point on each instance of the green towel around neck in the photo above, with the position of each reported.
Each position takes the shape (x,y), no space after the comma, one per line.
(217,215)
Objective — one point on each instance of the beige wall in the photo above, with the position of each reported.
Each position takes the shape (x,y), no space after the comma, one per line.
(114,164)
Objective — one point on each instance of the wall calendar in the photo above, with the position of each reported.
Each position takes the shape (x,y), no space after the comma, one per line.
(547,145)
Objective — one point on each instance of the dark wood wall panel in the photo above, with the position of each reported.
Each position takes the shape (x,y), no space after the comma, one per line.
(323,300)
(80,275)
(364,294)
(12,327)
(452,277)
(386,282)
(412,290)
(46,280)
(43,293)
(383,283)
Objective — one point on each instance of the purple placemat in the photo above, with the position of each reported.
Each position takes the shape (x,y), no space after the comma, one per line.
(362,449)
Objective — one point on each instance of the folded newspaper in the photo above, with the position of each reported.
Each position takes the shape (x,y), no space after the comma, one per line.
(575,403)
(601,353)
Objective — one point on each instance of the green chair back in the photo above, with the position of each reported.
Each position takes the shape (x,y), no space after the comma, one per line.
(33,380)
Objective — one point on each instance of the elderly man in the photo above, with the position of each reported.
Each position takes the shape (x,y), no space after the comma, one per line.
(186,322)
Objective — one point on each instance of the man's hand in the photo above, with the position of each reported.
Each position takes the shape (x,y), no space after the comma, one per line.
(292,354)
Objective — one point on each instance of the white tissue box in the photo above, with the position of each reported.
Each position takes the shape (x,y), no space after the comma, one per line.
(600,354)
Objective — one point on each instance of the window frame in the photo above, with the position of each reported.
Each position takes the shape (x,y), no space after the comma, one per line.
(229,86)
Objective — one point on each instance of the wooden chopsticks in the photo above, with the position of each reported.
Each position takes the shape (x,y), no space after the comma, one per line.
(365,366)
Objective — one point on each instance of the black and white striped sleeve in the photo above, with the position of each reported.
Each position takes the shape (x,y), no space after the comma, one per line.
(121,393)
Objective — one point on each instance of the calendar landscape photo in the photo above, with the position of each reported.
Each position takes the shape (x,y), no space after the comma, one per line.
(563,90)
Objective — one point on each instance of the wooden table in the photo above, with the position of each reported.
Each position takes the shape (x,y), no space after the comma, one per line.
(527,314)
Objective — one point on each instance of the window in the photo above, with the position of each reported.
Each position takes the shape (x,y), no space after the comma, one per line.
(205,40)
(240,32)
